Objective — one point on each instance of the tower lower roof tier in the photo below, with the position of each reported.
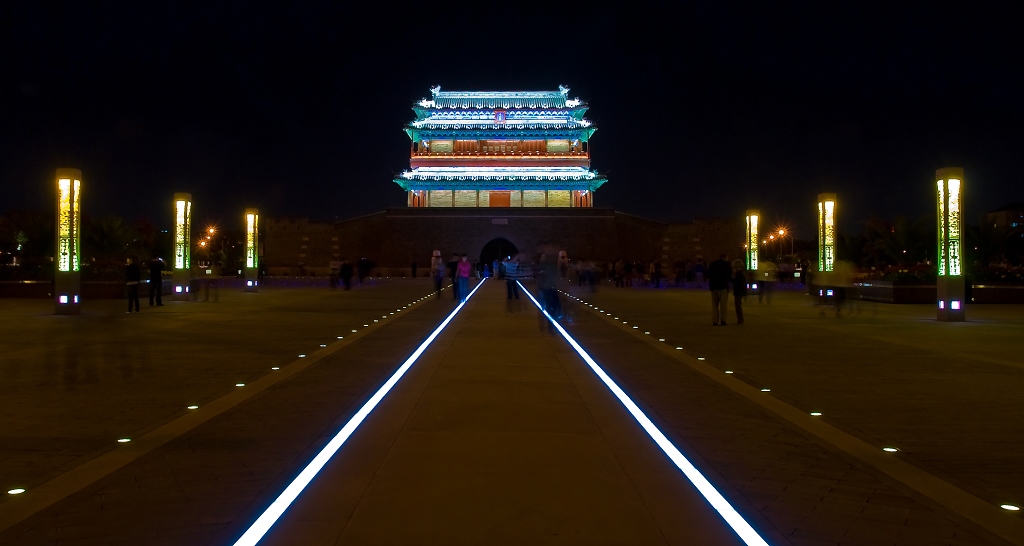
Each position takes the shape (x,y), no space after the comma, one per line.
(542,178)
(498,131)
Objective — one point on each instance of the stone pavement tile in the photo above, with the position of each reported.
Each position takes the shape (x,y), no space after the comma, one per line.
(73,386)
(497,453)
(209,481)
(501,509)
(795,483)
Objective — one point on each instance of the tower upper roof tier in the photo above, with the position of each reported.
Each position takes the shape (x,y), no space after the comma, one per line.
(500,99)
(500,114)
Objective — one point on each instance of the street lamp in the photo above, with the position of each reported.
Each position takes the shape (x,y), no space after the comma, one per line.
(782,233)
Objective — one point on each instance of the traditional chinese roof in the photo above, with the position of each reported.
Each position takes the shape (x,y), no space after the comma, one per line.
(499,99)
(464,131)
(552,178)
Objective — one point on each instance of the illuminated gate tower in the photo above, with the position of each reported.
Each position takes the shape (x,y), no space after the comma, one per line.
(500,149)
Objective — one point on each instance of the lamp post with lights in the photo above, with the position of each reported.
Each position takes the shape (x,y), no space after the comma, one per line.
(182,268)
(68,277)
(252,259)
(950,280)
(783,233)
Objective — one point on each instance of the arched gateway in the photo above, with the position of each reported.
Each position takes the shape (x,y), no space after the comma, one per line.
(497,249)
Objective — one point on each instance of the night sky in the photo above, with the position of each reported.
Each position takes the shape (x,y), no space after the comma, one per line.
(702,109)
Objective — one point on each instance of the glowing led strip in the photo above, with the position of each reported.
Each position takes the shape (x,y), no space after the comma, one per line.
(270,516)
(746,533)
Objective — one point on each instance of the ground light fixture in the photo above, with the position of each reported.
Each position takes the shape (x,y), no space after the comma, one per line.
(739,525)
(1010,507)
(275,368)
(15,491)
(766,389)
(123,440)
(700,358)
(239,384)
(890,449)
(193,407)
(273,512)
(815,414)
(728,371)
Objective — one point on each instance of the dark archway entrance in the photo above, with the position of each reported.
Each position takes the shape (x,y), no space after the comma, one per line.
(497,249)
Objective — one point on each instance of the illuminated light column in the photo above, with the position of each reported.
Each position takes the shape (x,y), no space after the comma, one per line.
(752,242)
(950,281)
(826,232)
(252,246)
(182,269)
(67,277)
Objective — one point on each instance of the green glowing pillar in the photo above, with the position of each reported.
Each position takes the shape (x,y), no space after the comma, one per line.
(181,268)
(950,280)
(751,246)
(826,232)
(67,277)
(252,247)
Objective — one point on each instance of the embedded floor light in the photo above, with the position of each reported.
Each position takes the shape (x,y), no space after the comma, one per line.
(239,384)
(123,440)
(341,337)
(323,344)
(1010,507)
(19,491)
(270,516)
(746,533)
(302,356)
(679,348)
(661,339)
(354,330)
(816,414)
(700,358)
(890,449)
(728,371)
(275,368)
(193,407)
(766,390)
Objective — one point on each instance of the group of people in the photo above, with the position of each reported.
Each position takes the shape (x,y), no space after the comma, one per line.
(459,270)
(720,274)
(133,277)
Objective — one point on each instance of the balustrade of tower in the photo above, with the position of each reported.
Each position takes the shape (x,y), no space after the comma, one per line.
(500,153)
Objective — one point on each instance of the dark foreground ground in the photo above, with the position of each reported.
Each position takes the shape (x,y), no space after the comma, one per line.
(500,433)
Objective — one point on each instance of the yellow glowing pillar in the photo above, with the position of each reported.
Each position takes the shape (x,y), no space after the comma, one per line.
(950,281)
(826,232)
(753,217)
(252,247)
(182,265)
(67,277)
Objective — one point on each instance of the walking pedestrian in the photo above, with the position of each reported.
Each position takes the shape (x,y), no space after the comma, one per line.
(511,265)
(132,277)
(346,273)
(437,271)
(453,267)
(739,289)
(156,281)
(719,274)
(464,270)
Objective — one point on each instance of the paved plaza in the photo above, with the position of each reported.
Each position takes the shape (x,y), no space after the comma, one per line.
(500,433)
